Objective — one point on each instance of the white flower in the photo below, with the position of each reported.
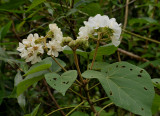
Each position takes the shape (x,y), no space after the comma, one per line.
(54,47)
(101,21)
(33,53)
(29,50)
(84,32)
(57,33)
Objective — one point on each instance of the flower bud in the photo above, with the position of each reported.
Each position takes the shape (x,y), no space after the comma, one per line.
(66,41)
(72,44)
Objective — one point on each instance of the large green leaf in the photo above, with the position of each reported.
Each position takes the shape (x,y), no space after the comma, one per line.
(30,80)
(128,86)
(43,65)
(63,82)
(34,112)
(98,65)
(104,50)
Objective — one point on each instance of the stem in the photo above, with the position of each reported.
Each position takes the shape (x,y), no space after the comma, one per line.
(104,107)
(94,57)
(52,97)
(81,78)
(77,94)
(59,64)
(89,101)
(94,86)
(75,108)
(77,65)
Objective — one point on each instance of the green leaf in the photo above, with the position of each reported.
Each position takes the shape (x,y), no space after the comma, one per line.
(77,113)
(55,67)
(30,80)
(4,30)
(63,82)
(68,50)
(156,83)
(34,4)
(43,65)
(34,112)
(156,104)
(21,98)
(104,50)
(98,65)
(128,86)
(92,9)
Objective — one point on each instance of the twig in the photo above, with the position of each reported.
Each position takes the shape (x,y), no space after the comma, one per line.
(120,7)
(100,99)
(104,107)
(149,39)
(75,108)
(77,94)
(94,86)
(52,97)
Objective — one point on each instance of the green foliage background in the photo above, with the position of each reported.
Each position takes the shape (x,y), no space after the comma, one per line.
(140,46)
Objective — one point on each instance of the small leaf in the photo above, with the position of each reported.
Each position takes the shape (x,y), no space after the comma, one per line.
(21,98)
(4,30)
(128,86)
(63,82)
(104,50)
(34,112)
(30,80)
(156,104)
(156,83)
(77,113)
(35,3)
(43,65)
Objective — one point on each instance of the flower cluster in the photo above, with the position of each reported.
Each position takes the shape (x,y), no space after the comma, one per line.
(98,23)
(32,48)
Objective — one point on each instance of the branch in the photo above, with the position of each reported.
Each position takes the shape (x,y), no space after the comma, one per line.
(52,97)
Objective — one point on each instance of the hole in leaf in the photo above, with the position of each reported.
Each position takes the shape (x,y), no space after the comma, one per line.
(67,82)
(55,79)
(145,88)
(131,69)
(110,92)
(63,82)
(142,109)
(157,82)
(139,75)
(141,71)
(123,66)
(116,66)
